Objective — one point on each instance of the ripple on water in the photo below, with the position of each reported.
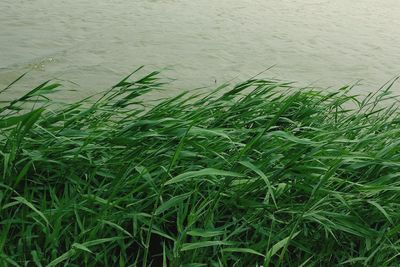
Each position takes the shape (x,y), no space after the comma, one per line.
(331,42)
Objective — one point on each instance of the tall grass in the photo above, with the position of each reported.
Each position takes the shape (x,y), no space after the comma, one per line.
(248,175)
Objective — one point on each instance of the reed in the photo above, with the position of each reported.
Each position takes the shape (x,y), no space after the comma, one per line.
(257,174)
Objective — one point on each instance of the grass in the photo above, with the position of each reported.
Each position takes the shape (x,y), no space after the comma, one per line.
(257,174)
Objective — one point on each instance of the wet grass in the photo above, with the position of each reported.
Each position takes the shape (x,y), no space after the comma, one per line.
(247,175)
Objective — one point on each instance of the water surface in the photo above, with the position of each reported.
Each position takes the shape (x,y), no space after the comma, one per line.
(94,43)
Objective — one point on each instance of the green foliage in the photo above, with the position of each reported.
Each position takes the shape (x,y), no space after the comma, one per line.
(259,174)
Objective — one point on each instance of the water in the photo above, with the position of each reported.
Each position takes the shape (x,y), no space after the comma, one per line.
(201,42)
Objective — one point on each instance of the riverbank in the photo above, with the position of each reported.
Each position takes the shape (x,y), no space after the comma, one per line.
(245,175)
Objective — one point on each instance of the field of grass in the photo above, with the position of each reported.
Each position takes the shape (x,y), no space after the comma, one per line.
(257,174)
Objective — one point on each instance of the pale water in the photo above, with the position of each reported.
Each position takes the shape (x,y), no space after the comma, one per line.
(201,42)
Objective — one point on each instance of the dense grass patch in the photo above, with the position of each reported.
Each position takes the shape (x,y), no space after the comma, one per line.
(250,175)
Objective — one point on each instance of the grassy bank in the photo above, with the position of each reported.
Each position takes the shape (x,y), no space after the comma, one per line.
(272,176)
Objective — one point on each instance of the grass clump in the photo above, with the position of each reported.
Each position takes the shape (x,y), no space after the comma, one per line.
(257,174)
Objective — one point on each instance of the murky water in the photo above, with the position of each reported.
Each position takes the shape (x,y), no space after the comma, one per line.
(94,43)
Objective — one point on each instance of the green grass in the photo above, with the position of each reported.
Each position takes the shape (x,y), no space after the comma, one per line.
(248,175)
